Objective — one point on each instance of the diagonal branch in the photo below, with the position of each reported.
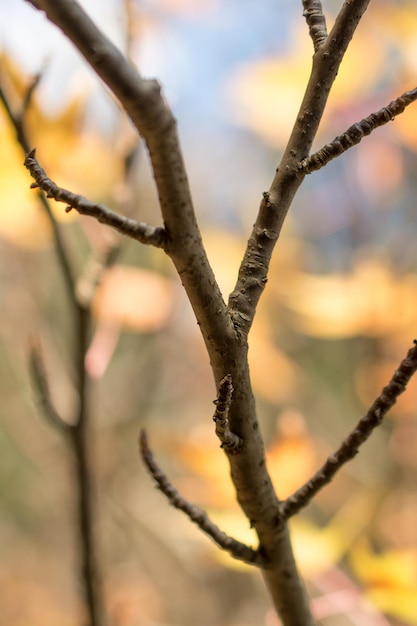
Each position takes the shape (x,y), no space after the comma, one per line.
(230,442)
(235,548)
(357,132)
(40,381)
(364,428)
(18,123)
(276,202)
(94,270)
(316,21)
(142,100)
(77,430)
(144,233)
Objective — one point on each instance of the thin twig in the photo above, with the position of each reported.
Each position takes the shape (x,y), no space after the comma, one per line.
(94,270)
(78,430)
(40,381)
(357,132)
(150,235)
(362,431)
(143,101)
(238,550)
(18,123)
(230,442)
(316,21)
(277,200)
(27,100)
(91,573)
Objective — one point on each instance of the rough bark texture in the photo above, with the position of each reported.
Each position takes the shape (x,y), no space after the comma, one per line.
(225,328)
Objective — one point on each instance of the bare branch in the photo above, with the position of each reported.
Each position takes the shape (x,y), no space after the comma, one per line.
(357,132)
(27,100)
(235,548)
(77,430)
(364,428)
(230,442)
(142,100)
(144,233)
(40,381)
(18,123)
(94,270)
(316,21)
(276,202)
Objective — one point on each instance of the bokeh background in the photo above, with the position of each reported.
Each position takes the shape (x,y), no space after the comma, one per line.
(338,314)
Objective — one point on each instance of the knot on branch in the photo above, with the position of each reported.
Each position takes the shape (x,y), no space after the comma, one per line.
(230,442)
(313,12)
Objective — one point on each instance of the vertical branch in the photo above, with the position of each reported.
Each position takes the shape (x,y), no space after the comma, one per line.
(90,568)
(78,428)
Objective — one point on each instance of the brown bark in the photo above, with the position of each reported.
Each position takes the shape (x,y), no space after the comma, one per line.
(224,328)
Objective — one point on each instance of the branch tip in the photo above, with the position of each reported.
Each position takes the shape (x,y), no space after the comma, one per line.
(150,235)
(235,548)
(41,384)
(355,133)
(362,431)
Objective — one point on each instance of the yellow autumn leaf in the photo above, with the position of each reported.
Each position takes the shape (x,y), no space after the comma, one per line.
(372,376)
(390,579)
(391,568)
(206,477)
(273,374)
(188,8)
(318,549)
(399,602)
(292,454)
(264,96)
(369,301)
(225,251)
(134,298)
(83,162)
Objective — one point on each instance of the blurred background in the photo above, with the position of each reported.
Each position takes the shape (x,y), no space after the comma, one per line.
(338,315)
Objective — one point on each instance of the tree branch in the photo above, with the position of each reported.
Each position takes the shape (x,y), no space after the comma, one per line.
(149,235)
(225,337)
(142,100)
(316,21)
(276,202)
(40,381)
(235,548)
(94,270)
(362,431)
(18,123)
(230,442)
(357,132)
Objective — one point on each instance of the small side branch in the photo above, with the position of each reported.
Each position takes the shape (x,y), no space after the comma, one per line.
(356,133)
(235,548)
(150,235)
(313,12)
(40,381)
(230,442)
(357,437)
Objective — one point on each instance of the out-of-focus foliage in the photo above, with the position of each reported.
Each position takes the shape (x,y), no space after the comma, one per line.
(338,314)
